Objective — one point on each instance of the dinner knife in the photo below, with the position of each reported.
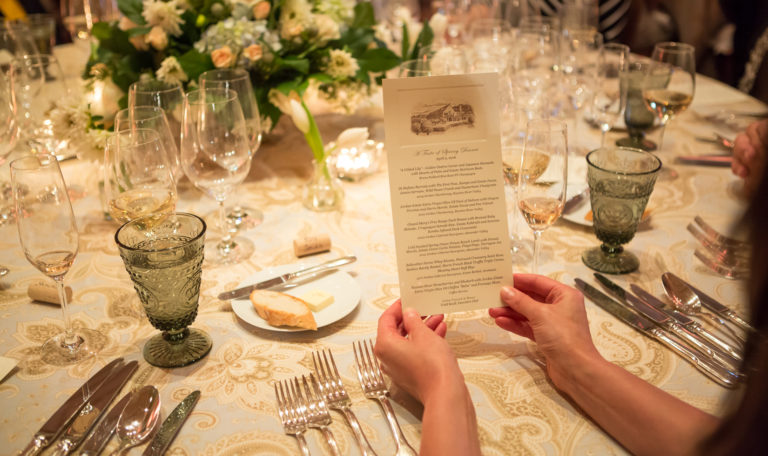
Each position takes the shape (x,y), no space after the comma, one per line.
(95,442)
(574,202)
(667,322)
(687,322)
(706,160)
(713,304)
(716,372)
(171,425)
(284,278)
(96,406)
(61,417)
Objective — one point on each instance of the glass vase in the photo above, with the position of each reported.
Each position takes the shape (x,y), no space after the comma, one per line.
(323,192)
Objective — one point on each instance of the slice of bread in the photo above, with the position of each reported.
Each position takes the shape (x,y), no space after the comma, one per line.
(280,309)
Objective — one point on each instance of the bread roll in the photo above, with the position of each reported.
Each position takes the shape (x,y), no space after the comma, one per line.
(280,309)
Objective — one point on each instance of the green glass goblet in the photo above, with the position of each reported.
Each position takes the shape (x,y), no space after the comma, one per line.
(637,116)
(620,182)
(164,260)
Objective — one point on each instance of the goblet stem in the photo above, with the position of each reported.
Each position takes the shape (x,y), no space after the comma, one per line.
(226,244)
(70,339)
(661,133)
(603,132)
(536,250)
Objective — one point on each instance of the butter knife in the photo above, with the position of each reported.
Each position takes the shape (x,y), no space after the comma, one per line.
(284,278)
(716,372)
(713,304)
(574,202)
(667,322)
(171,425)
(687,322)
(93,410)
(95,442)
(705,160)
(61,417)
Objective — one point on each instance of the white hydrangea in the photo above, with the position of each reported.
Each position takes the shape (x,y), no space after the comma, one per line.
(295,17)
(164,14)
(170,71)
(341,64)
(342,11)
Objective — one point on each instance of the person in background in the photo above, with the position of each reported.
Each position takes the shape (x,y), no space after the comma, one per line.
(749,154)
(643,418)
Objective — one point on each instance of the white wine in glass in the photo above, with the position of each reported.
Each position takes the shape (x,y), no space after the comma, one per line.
(49,238)
(542,181)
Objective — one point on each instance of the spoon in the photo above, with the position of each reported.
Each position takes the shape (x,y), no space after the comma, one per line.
(138,419)
(688,302)
(4,271)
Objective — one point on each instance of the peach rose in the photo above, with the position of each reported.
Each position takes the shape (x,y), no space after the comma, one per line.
(157,38)
(261,10)
(253,52)
(222,57)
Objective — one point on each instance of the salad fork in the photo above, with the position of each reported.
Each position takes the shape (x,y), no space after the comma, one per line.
(372,382)
(332,388)
(292,413)
(318,415)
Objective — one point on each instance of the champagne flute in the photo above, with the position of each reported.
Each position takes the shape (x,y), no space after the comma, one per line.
(166,95)
(676,64)
(138,181)
(543,177)
(239,80)
(216,158)
(609,101)
(49,238)
(152,118)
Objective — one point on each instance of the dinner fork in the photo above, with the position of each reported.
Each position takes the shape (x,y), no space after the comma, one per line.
(718,237)
(372,382)
(292,413)
(729,272)
(318,415)
(726,253)
(332,388)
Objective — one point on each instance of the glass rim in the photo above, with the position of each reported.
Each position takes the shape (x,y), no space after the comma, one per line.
(168,86)
(50,160)
(675,46)
(158,112)
(203,229)
(240,72)
(154,136)
(624,173)
(546,124)
(229,95)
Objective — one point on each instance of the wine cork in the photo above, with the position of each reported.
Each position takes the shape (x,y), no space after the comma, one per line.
(311,244)
(47,292)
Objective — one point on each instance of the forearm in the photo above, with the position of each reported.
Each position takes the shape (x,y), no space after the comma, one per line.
(449,425)
(642,417)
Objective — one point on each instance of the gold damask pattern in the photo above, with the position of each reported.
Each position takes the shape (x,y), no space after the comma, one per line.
(519,411)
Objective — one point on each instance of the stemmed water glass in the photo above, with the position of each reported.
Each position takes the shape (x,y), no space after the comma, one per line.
(581,52)
(239,80)
(165,95)
(152,118)
(138,180)
(610,93)
(542,178)
(216,158)
(49,238)
(676,64)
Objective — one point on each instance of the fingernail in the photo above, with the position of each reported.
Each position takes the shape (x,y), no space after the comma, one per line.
(507,292)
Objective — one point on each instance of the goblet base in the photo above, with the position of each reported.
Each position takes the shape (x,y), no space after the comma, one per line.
(637,143)
(615,263)
(240,250)
(56,351)
(161,352)
(240,217)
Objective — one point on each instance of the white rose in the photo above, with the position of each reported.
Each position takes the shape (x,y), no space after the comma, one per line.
(352,137)
(157,38)
(103,99)
(327,28)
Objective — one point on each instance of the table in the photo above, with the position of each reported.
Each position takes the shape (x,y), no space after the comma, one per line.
(518,409)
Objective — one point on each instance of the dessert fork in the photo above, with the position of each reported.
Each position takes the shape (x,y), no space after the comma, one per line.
(332,388)
(372,382)
(292,412)
(718,237)
(318,415)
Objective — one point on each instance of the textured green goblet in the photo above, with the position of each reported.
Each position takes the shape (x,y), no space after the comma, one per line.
(620,182)
(164,260)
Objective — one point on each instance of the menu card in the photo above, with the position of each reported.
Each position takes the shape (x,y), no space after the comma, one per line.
(447,188)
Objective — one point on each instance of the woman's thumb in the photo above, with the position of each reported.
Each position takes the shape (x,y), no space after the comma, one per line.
(412,321)
(520,302)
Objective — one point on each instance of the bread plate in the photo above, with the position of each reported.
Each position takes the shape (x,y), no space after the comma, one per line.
(345,290)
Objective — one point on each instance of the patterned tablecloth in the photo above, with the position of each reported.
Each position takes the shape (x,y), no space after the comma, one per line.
(518,409)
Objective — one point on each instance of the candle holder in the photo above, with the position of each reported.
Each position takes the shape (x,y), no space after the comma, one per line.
(354,163)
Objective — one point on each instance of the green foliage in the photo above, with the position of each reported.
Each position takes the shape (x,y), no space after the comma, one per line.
(195,63)
(132,10)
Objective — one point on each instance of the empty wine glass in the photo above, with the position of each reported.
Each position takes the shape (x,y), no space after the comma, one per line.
(152,118)
(216,158)
(580,53)
(15,41)
(610,93)
(166,95)
(80,15)
(542,178)
(239,80)
(138,181)
(415,68)
(8,135)
(675,63)
(49,238)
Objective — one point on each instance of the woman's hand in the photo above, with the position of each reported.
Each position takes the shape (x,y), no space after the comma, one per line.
(551,314)
(749,154)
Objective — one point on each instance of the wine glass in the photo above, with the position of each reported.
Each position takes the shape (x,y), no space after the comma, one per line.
(9,132)
(152,118)
(80,15)
(581,53)
(415,68)
(15,41)
(543,177)
(620,182)
(676,64)
(138,181)
(165,266)
(166,95)
(239,80)
(216,158)
(610,94)
(49,238)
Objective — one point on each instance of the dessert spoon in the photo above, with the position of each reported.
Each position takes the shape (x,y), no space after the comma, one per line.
(138,420)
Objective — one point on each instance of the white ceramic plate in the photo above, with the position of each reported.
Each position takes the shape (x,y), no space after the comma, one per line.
(345,290)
